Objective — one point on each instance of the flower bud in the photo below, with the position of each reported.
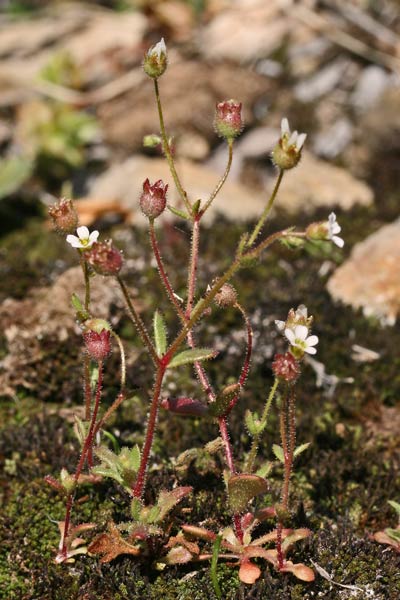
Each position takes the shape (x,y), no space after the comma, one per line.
(298,317)
(287,152)
(155,61)
(153,199)
(286,367)
(64,215)
(104,258)
(228,121)
(326,230)
(227,296)
(98,345)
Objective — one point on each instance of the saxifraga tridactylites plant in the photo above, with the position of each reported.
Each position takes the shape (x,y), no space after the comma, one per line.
(129,467)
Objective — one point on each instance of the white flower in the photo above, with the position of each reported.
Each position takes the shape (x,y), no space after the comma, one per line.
(333,229)
(84,240)
(158,49)
(280,325)
(294,138)
(299,338)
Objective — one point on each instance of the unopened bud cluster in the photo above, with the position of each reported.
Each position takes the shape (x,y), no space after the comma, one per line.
(287,152)
(226,296)
(98,344)
(228,120)
(64,215)
(286,367)
(104,258)
(155,61)
(153,199)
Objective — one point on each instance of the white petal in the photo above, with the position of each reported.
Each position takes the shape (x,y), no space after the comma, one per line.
(74,241)
(83,232)
(310,350)
(285,129)
(301,311)
(312,340)
(300,141)
(280,325)
(332,218)
(301,332)
(159,48)
(93,236)
(336,228)
(293,138)
(289,333)
(338,241)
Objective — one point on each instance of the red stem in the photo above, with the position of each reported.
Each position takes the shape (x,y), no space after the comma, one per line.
(137,490)
(162,272)
(246,364)
(87,446)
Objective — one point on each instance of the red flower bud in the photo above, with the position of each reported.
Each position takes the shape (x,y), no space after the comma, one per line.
(227,296)
(286,367)
(64,216)
(104,258)
(154,198)
(98,345)
(228,119)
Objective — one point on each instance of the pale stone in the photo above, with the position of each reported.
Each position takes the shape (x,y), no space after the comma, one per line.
(124,182)
(369,279)
(314,183)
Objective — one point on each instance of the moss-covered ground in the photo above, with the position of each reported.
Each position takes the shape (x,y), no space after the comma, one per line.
(341,484)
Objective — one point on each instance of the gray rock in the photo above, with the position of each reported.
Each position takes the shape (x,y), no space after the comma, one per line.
(371,84)
(331,142)
(322,82)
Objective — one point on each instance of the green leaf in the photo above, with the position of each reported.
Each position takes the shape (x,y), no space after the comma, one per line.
(14,172)
(301,449)
(278,451)
(223,400)
(160,336)
(190,356)
(395,505)
(394,534)
(265,469)
(242,488)
(76,303)
(254,425)
(168,499)
(178,213)
(81,429)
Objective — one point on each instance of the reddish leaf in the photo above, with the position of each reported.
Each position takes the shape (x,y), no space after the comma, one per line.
(299,570)
(111,545)
(199,532)
(178,556)
(186,407)
(248,572)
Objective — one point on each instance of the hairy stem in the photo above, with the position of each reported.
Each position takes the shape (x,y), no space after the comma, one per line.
(223,428)
(140,326)
(266,210)
(87,446)
(138,488)
(163,274)
(167,151)
(222,180)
